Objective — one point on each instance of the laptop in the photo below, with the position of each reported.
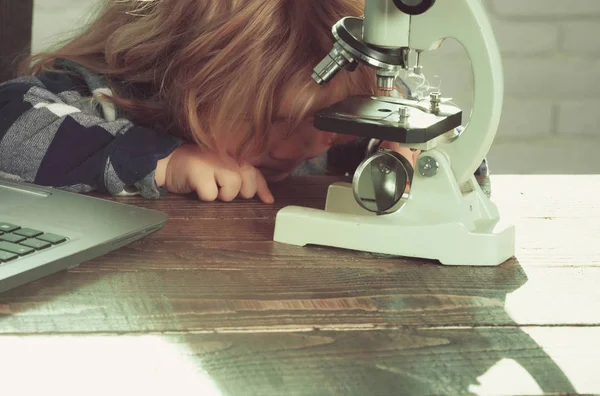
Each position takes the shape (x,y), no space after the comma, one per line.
(45,230)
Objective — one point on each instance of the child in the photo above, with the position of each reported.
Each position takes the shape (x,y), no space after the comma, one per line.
(207,96)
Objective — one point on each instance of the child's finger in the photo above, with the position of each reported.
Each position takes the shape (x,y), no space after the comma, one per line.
(248,189)
(206,187)
(230,183)
(262,189)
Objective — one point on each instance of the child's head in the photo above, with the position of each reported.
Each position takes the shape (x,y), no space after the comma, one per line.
(230,74)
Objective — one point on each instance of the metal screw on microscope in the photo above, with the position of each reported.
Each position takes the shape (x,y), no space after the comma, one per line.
(404,113)
(435,99)
(418,69)
(428,166)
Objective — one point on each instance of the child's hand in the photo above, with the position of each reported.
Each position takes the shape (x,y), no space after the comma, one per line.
(190,169)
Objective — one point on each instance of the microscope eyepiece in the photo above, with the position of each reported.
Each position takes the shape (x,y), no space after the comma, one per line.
(335,61)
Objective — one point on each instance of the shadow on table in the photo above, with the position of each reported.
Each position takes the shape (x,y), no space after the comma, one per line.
(400,360)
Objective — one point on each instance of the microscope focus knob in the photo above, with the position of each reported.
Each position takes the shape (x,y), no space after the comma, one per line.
(381,180)
(414,7)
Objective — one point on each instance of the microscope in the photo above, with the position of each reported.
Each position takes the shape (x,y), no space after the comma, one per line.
(444,215)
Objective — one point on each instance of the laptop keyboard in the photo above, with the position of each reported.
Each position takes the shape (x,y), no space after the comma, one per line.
(17,241)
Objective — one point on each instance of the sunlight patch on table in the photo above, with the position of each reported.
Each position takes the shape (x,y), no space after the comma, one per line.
(568,296)
(101,365)
(506,377)
(576,350)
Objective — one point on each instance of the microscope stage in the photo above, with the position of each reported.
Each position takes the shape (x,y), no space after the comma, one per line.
(380,118)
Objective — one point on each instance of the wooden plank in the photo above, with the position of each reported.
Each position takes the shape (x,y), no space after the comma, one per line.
(189,242)
(16,17)
(248,295)
(553,229)
(407,362)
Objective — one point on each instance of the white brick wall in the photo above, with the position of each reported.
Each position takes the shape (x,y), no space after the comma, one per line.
(581,37)
(579,117)
(551,57)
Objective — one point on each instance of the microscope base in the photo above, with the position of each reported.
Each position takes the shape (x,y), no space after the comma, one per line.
(464,231)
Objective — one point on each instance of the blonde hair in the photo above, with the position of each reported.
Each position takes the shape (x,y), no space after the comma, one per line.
(194,67)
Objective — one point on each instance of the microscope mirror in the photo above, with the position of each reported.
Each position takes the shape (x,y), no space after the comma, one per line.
(380,181)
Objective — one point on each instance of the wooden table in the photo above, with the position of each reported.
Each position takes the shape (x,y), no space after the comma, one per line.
(211,306)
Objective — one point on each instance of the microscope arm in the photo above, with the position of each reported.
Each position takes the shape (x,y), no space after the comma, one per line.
(466,22)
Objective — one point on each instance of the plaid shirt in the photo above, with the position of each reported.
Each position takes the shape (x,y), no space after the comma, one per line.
(52,134)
